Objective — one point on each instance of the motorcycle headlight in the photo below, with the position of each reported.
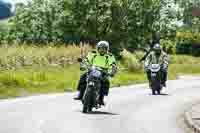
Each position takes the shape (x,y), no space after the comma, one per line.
(95,73)
(155,67)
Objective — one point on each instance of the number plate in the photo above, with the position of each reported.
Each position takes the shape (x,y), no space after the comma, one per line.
(91,84)
(153,74)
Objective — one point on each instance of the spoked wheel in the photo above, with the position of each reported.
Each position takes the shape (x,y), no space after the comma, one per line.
(88,101)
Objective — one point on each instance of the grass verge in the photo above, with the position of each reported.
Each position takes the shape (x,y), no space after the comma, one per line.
(30,70)
(37,80)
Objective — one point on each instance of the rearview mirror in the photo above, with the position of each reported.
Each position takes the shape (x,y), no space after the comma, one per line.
(79,59)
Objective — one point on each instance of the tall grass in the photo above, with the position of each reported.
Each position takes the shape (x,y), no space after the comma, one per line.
(18,56)
(130,62)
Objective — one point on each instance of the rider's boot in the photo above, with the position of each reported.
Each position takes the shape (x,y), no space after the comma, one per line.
(164,84)
(101,100)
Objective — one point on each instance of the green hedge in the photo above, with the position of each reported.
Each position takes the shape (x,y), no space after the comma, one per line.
(183,47)
(196,49)
(169,46)
(188,43)
(186,47)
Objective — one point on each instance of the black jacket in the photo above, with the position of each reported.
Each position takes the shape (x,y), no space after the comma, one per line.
(151,48)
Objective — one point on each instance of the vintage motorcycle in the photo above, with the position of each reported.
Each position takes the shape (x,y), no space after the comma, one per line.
(91,96)
(95,76)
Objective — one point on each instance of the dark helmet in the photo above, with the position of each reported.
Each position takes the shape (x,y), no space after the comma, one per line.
(157,48)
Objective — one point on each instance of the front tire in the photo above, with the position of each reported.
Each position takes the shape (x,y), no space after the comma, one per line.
(158,91)
(88,100)
(153,92)
(90,109)
(85,109)
(155,86)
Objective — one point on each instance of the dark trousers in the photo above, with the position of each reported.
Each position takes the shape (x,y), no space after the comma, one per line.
(105,85)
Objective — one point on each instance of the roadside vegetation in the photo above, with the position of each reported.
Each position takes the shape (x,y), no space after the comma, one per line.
(38,66)
(29,70)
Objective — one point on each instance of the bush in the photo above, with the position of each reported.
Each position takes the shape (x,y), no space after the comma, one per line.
(183,47)
(196,49)
(188,36)
(188,43)
(139,54)
(130,62)
(169,46)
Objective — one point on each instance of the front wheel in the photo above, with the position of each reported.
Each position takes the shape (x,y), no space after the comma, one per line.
(90,108)
(153,92)
(85,109)
(155,86)
(88,100)
(158,91)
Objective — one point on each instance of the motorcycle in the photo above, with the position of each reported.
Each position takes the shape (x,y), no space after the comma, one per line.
(95,75)
(156,87)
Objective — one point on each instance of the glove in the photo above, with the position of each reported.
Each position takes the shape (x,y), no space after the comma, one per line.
(114,70)
(165,66)
(146,68)
(83,66)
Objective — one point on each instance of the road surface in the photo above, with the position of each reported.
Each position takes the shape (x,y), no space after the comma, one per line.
(129,109)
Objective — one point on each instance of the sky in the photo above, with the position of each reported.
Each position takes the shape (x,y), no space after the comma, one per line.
(13,2)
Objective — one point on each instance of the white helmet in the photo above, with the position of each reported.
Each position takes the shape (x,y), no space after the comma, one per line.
(103,44)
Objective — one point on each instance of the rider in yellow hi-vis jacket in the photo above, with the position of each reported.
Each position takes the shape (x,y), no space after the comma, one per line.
(98,58)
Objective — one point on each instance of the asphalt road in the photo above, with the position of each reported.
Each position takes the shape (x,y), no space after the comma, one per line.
(129,110)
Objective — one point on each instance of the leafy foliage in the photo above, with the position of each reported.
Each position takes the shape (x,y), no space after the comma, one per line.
(188,43)
(124,23)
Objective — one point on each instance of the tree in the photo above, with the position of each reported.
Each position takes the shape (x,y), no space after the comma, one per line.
(124,23)
(40,21)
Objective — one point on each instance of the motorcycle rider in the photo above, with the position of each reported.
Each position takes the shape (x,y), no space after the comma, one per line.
(100,58)
(155,39)
(157,56)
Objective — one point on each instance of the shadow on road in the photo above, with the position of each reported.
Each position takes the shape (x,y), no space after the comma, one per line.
(196,118)
(102,113)
(162,94)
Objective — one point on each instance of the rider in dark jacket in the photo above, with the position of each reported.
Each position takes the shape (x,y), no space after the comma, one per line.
(157,56)
(155,40)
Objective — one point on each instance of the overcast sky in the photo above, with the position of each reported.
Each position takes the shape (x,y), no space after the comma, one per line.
(13,2)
